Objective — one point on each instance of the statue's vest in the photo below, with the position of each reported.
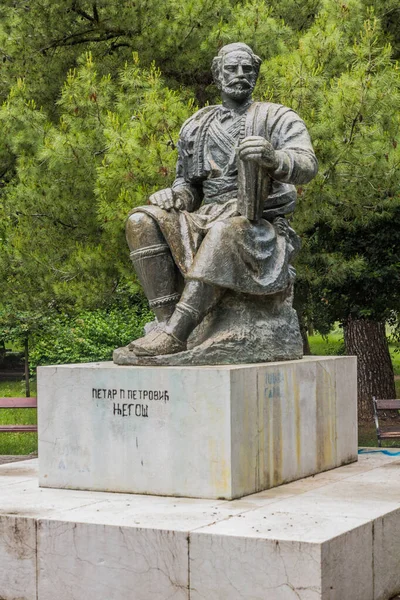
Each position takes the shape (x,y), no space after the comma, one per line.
(260,120)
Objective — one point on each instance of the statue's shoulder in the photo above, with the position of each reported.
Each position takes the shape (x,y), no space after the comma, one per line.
(193,122)
(271,120)
(272,109)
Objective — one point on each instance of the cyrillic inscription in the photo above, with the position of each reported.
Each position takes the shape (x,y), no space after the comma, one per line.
(137,398)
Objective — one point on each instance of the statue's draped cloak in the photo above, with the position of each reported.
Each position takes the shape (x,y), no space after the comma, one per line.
(212,242)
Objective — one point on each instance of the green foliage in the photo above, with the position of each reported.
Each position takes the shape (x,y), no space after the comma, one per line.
(388,11)
(75,182)
(257,24)
(140,136)
(43,39)
(16,326)
(90,336)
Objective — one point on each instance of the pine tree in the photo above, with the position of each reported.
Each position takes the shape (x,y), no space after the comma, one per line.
(76,181)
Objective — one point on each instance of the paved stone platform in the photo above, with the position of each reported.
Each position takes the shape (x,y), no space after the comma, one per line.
(10,458)
(333,536)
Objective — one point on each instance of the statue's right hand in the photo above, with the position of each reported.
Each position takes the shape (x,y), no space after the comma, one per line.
(164,199)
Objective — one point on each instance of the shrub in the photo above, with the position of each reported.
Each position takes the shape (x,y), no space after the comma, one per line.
(90,336)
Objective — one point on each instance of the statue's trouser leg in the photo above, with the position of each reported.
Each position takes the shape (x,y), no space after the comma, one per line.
(197,300)
(154,265)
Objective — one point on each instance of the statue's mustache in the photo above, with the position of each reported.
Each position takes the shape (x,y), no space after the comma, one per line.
(241,81)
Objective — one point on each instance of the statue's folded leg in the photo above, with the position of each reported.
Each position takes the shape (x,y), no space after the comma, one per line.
(197,300)
(154,265)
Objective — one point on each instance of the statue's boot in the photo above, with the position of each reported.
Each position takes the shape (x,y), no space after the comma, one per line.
(153,264)
(197,300)
(157,342)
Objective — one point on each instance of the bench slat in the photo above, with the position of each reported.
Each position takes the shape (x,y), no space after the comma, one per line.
(390,428)
(389,434)
(388,404)
(17,428)
(18,402)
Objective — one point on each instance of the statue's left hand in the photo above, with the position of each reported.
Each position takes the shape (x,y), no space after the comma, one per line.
(165,199)
(259,150)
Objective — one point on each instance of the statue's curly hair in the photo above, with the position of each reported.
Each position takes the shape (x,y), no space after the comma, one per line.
(235,47)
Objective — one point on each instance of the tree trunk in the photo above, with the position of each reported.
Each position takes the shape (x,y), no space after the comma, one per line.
(367,340)
(27,386)
(2,352)
(306,343)
(304,336)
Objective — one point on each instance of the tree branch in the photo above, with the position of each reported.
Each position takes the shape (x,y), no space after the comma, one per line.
(61,41)
(70,40)
(104,38)
(95,13)
(353,126)
(43,215)
(189,33)
(116,45)
(75,8)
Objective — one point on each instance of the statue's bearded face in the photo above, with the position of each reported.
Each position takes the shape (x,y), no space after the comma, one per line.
(238,75)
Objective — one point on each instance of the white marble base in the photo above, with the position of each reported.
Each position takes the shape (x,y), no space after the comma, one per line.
(17,558)
(203,432)
(334,536)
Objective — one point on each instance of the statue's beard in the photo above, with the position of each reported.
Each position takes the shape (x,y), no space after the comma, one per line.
(238,89)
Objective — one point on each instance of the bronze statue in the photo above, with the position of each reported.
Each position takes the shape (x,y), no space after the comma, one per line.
(218,236)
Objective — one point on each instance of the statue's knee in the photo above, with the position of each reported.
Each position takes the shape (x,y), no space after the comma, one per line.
(141,230)
(137,222)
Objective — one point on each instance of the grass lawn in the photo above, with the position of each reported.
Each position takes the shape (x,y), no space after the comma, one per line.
(395,354)
(367,437)
(17,443)
(333,344)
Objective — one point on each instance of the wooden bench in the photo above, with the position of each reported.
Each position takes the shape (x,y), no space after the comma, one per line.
(388,432)
(18,403)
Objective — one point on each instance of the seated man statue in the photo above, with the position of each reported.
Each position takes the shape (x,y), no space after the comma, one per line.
(221,225)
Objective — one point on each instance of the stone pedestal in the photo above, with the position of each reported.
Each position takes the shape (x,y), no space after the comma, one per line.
(205,432)
(335,536)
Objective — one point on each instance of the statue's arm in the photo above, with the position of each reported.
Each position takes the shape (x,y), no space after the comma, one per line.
(187,196)
(286,152)
(296,162)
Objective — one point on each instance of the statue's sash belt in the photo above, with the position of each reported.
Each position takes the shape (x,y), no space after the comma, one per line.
(221,138)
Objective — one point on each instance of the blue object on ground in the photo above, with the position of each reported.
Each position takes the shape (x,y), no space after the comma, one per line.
(387,452)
